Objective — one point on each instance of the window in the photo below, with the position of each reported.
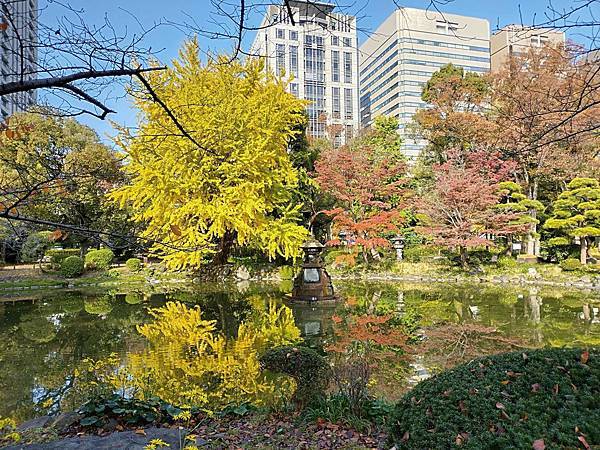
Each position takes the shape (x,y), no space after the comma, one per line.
(348,67)
(335,66)
(294,89)
(348,110)
(347,42)
(293,35)
(294,61)
(308,39)
(336,103)
(280,59)
(311,275)
(335,40)
(319,41)
(279,33)
(446,27)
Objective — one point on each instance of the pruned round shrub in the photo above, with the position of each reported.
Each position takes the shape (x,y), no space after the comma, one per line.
(58,255)
(509,400)
(133,264)
(309,369)
(570,265)
(72,267)
(99,259)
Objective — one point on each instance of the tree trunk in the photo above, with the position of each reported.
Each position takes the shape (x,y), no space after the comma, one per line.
(463,257)
(532,245)
(584,250)
(225,247)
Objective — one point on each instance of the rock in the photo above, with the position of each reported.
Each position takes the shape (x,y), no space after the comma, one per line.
(242,273)
(533,273)
(38,422)
(586,280)
(64,421)
(125,440)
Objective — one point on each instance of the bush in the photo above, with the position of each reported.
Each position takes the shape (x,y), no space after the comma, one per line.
(305,365)
(58,255)
(505,401)
(133,264)
(570,265)
(99,259)
(507,262)
(72,267)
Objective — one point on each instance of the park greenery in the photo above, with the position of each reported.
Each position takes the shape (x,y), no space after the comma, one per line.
(509,177)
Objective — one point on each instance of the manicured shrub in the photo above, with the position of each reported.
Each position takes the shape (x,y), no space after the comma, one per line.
(507,262)
(72,267)
(99,259)
(310,370)
(509,400)
(420,253)
(570,265)
(133,264)
(58,255)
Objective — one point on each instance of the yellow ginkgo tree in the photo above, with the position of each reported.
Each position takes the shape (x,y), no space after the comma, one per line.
(223,177)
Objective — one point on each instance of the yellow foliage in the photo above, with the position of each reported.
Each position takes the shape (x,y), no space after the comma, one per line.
(236,178)
(190,364)
(8,431)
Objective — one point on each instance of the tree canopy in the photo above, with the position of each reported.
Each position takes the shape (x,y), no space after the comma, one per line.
(231,182)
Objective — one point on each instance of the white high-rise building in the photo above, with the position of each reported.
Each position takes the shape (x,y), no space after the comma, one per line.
(516,39)
(317,51)
(400,57)
(19,19)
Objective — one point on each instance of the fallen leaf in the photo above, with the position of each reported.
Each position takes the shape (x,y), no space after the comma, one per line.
(140,432)
(584,442)
(539,444)
(461,406)
(555,389)
(584,357)
(505,382)
(499,405)
(175,230)
(405,437)
(535,387)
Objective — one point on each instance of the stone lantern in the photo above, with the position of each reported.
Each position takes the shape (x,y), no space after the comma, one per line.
(398,244)
(313,283)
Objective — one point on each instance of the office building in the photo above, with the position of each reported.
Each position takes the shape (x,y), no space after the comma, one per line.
(402,54)
(318,52)
(515,39)
(19,18)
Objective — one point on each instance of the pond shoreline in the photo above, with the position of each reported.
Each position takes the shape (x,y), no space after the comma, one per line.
(581,284)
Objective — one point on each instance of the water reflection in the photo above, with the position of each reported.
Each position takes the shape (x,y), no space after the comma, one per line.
(48,334)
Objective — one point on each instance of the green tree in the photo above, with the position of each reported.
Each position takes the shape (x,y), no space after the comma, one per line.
(56,170)
(576,214)
(228,178)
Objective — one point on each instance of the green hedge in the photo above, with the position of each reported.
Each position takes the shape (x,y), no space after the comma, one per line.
(58,255)
(133,264)
(505,401)
(99,259)
(72,267)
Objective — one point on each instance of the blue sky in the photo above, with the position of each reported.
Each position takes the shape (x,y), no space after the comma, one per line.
(124,13)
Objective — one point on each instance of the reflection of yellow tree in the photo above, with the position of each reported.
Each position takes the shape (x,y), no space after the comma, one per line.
(189,363)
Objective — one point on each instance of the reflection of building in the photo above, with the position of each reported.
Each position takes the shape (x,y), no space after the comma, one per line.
(515,39)
(319,51)
(17,52)
(406,49)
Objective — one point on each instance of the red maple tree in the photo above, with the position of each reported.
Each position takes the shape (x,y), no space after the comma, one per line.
(460,207)
(367,187)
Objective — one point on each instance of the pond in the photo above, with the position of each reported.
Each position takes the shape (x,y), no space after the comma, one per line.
(45,335)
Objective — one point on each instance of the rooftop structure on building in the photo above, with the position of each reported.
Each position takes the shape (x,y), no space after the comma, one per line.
(402,54)
(17,52)
(316,49)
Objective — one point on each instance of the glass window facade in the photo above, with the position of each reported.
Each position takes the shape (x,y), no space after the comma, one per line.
(336,106)
(348,104)
(279,33)
(335,66)
(347,67)
(280,59)
(294,61)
